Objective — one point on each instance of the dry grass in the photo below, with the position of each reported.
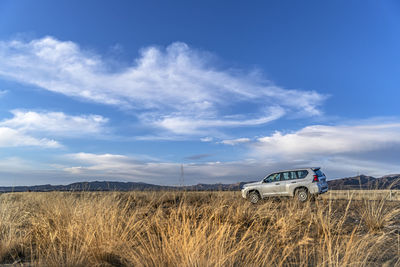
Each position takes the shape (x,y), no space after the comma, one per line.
(195,229)
(372,194)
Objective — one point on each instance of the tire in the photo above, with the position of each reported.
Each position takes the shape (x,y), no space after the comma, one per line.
(254,197)
(302,195)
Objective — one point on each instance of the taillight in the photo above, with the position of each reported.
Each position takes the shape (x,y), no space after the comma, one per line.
(315,178)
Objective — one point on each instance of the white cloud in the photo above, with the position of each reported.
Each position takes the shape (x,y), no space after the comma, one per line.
(114,167)
(173,88)
(111,166)
(13,138)
(117,167)
(330,140)
(55,123)
(346,166)
(29,128)
(187,125)
(233,142)
(88,166)
(206,139)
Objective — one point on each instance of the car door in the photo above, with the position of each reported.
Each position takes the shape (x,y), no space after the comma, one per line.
(286,180)
(267,187)
(271,185)
(292,183)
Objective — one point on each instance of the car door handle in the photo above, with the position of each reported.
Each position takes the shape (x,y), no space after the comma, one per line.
(293,182)
(277,184)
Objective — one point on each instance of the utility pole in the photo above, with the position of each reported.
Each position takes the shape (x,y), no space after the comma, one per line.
(182,179)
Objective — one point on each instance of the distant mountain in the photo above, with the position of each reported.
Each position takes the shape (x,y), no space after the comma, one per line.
(88,186)
(119,186)
(357,182)
(215,187)
(366,182)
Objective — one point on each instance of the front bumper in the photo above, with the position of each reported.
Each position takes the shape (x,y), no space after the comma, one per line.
(244,193)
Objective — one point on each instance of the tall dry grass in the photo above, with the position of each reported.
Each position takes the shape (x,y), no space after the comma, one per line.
(194,229)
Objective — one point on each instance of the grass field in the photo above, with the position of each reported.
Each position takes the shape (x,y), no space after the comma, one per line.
(195,229)
(363,194)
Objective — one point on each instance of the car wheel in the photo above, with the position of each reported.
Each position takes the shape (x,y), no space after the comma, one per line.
(302,195)
(254,197)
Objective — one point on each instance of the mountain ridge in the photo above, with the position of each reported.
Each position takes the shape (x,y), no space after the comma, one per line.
(391,181)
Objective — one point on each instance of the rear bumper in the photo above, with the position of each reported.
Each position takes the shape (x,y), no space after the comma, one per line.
(319,189)
(324,190)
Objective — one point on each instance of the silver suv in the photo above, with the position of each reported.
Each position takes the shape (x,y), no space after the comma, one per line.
(303,183)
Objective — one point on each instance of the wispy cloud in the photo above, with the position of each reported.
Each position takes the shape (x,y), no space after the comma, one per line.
(38,129)
(13,138)
(3,92)
(190,125)
(177,88)
(117,166)
(193,126)
(55,123)
(233,142)
(113,166)
(89,166)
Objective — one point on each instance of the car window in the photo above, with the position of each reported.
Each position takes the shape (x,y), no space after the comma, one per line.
(293,175)
(286,176)
(302,174)
(269,178)
(272,178)
(319,173)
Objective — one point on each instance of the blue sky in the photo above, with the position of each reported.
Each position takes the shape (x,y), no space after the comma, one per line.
(129,90)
